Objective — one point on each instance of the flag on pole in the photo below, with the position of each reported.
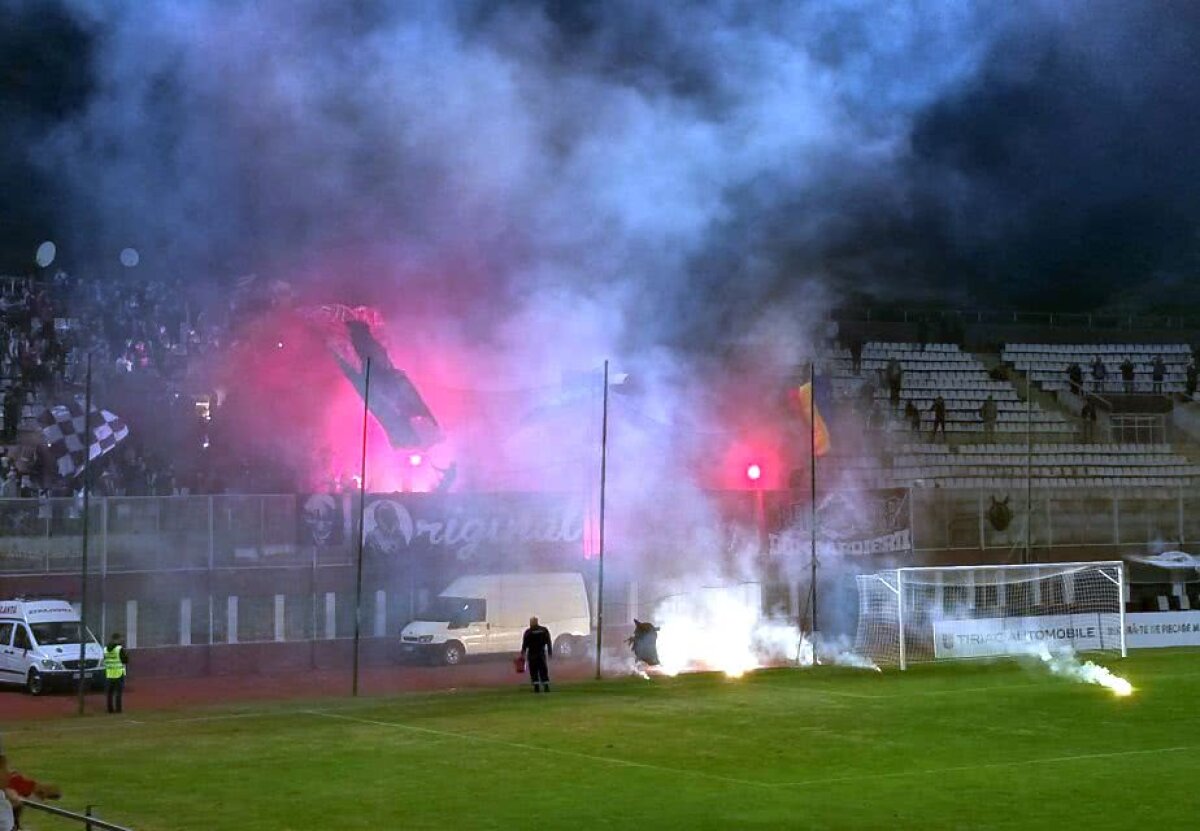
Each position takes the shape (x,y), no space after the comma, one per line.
(810,415)
(63,431)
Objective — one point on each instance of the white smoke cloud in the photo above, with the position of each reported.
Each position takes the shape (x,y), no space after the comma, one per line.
(1066,664)
(528,190)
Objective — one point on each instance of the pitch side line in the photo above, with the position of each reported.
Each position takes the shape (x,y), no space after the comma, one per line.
(610,760)
(992,765)
(65,725)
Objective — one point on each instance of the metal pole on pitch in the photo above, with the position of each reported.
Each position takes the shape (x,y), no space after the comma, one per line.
(362,509)
(812,473)
(600,556)
(83,566)
(1029,465)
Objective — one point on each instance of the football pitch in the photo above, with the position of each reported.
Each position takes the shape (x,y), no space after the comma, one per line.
(963,746)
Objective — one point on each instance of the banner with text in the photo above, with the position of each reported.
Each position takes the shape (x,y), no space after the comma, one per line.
(993,637)
(1157,629)
(856,522)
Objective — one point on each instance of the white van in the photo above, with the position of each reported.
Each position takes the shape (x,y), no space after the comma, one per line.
(39,645)
(486,614)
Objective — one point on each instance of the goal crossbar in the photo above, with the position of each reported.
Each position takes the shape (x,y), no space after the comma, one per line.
(1118,564)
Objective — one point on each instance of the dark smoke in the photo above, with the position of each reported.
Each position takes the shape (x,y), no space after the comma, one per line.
(690,164)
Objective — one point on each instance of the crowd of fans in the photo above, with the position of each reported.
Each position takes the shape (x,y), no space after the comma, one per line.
(143,336)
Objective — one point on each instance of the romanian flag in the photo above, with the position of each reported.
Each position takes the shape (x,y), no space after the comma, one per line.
(810,415)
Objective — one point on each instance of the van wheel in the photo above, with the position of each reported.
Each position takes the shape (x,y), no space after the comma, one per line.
(568,648)
(34,684)
(453,654)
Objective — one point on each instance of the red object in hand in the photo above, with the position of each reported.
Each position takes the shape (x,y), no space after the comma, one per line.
(519,664)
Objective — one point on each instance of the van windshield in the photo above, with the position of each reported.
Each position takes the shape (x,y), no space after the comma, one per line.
(456,610)
(58,632)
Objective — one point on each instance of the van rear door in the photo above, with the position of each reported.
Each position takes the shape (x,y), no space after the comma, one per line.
(509,620)
(12,665)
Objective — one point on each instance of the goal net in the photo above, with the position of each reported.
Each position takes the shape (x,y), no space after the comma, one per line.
(917,615)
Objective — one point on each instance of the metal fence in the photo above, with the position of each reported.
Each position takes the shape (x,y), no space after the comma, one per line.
(235,569)
(240,569)
(155,534)
(1059,518)
(1176,324)
(86,819)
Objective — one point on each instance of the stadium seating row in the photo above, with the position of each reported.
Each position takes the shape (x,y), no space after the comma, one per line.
(1164,349)
(1047,365)
(958,377)
(1129,485)
(1067,465)
(1075,448)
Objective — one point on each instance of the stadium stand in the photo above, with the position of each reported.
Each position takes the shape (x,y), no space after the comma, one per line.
(1050,466)
(1047,364)
(943,369)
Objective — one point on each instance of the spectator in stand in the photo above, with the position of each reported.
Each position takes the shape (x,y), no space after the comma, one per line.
(866,397)
(988,413)
(895,381)
(1099,373)
(913,415)
(856,350)
(1127,375)
(1075,376)
(13,398)
(939,416)
(1088,415)
(1193,376)
(1159,372)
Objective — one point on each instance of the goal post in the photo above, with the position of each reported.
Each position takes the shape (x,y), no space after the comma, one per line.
(940,613)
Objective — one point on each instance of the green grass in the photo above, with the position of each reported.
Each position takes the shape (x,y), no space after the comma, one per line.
(966,746)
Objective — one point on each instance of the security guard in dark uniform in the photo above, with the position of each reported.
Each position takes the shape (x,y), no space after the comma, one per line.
(537,648)
(115,659)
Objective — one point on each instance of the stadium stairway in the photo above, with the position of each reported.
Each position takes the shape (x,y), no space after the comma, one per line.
(962,378)
(1042,398)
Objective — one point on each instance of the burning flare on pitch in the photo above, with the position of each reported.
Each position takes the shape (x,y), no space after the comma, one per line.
(1066,664)
(722,629)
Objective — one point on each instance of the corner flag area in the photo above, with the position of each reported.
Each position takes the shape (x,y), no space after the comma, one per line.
(1000,745)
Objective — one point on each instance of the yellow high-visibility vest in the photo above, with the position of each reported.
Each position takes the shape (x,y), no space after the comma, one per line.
(113,667)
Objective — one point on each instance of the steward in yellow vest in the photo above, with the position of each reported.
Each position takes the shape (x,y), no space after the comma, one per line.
(115,659)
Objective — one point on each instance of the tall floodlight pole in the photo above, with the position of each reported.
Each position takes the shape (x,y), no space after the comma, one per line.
(812,475)
(600,555)
(83,567)
(362,512)
(1029,466)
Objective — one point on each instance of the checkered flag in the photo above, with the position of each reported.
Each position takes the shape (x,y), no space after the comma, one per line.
(63,431)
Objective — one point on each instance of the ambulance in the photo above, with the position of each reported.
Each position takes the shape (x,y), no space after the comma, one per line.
(39,645)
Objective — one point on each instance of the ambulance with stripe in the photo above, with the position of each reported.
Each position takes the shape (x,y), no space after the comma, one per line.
(39,645)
